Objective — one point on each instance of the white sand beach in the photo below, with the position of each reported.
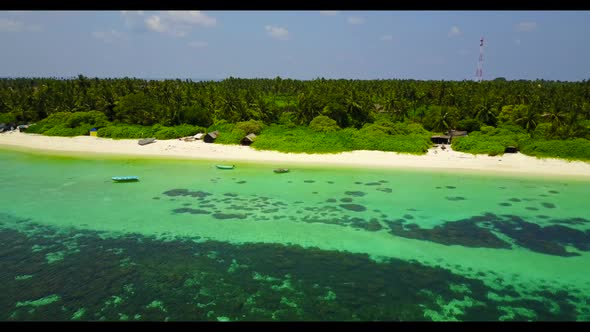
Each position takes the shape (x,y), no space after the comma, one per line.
(436,158)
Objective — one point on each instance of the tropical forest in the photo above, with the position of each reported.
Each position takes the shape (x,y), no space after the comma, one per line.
(539,118)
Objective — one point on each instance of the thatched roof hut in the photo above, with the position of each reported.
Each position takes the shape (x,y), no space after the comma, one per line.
(210,137)
(441,139)
(455,133)
(248,139)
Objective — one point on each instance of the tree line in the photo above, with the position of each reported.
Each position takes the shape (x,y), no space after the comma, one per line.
(548,110)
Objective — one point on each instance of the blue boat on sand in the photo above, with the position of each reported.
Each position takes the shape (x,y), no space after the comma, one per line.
(125,178)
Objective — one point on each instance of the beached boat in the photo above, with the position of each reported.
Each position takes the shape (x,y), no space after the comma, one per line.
(281,170)
(225,166)
(125,178)
(145,141)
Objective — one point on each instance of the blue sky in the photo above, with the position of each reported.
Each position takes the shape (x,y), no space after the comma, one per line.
(552,45)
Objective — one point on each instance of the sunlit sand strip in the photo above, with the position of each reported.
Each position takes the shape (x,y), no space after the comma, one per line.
(435,159)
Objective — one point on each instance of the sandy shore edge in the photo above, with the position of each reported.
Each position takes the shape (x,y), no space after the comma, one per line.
(436,158)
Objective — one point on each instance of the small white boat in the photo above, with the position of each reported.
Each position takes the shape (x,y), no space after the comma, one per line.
(125,178)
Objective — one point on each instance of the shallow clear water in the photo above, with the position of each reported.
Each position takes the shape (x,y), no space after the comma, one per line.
(192,242)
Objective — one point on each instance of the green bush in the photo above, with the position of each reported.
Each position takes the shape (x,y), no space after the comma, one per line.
(127,131)
(230,137)
(166,133)
(323,124)
(303,139)
(94,119)
(490,140)
(62,130)
(574,149)
(250,126)
(188,130)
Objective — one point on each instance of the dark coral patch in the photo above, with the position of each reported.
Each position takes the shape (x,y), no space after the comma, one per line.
(155,197)
(385,190)
(186,192)
(553,192)
(229,216)
(477,232)
(191,211)
(572,221)
(548,205)
(353,207)
(309,181)
(505,204)
(230,194)
(355,193)
(346,200)
(408,216)
(532,208)
(241,182)
(514,199)
(455,198)
(331,200)
(450,187)
(373,184)
(463,232)
(373,225)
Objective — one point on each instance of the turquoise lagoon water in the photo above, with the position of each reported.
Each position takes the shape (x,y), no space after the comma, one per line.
(192,242)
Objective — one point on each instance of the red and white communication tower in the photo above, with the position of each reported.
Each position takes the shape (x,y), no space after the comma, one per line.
(479,70)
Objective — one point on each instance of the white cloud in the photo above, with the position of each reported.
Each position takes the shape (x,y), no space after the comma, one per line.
(175,23)
(329,12)
(107,36)
(10,25)
(198,44)
(7,25)
(526,26)
(517,41)
(195,17)
(277,32)
(155,23)
(387,38)
(454,31)
(355,20)
(131,18)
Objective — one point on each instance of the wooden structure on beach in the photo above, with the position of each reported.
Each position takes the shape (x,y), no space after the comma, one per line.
(456,133)
(441,139)
(249,139)
(210,137)
(511,149)
(448,137)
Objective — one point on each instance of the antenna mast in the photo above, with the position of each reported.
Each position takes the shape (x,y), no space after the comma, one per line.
(479,70)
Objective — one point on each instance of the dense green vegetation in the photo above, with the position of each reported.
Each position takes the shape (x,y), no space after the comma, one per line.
(541,118)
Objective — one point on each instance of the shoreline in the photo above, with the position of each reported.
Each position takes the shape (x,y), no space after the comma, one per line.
(434,159)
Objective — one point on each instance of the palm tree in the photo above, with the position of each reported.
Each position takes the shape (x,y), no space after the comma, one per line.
(528,120)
